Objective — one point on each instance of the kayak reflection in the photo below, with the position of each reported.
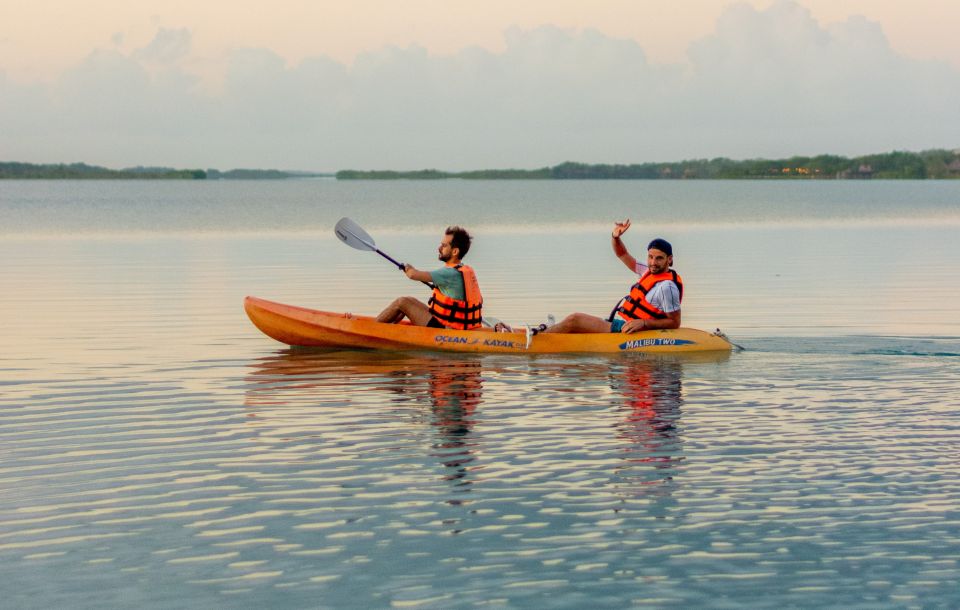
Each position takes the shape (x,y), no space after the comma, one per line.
(374,417)
(445,391)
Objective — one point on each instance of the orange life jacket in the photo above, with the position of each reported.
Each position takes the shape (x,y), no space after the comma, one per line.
(635,305)
(457,314)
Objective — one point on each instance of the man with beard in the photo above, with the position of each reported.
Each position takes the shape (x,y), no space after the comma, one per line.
(653,302)
(456,302)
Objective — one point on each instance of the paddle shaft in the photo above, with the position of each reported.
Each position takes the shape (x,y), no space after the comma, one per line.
(400,266)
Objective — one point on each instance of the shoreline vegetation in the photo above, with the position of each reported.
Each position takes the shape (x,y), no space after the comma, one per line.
(935,164)
(930,164)
(82,171)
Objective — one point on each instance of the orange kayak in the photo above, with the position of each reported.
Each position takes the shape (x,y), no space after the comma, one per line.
(302,327)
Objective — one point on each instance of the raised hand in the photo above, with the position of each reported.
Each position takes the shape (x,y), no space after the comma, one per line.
(620,228)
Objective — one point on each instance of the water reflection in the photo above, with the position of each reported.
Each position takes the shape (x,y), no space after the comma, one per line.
(456,389)
(649,416)
(388,400)
(446,391)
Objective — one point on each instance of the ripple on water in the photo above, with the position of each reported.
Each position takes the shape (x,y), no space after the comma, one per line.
(802,475)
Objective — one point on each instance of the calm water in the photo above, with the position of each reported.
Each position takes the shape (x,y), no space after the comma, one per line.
(158,452)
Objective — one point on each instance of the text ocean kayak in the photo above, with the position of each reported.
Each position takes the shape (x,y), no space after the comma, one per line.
(302,327)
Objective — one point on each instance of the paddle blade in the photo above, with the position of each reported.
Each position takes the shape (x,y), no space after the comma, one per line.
(353,235)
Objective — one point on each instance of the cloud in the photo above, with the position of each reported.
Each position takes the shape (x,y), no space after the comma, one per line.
(771,82)
(780,77)
(168,46)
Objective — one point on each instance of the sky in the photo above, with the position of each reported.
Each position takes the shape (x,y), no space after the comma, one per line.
(450,84)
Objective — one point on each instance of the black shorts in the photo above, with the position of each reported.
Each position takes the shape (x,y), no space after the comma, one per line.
(434,323)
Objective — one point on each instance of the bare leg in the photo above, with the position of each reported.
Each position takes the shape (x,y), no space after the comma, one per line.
(580,323)
(406,307)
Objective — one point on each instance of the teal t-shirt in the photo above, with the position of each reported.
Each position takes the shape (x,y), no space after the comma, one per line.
(450,282)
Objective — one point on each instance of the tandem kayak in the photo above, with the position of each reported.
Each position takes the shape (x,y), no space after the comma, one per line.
(302,327)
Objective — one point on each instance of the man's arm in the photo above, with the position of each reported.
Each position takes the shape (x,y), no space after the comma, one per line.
(621,250)
(672,321)
(415,274)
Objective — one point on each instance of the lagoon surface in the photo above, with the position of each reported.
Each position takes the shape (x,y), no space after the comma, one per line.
(159,452)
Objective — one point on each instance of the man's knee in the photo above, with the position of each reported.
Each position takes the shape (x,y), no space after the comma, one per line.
(578,319)
(583,323)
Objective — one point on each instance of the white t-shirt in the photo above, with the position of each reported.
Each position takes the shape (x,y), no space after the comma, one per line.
(665,296)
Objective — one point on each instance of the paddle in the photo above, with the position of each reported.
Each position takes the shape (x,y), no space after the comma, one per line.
(354,236)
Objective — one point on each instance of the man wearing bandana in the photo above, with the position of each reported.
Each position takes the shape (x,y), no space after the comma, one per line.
(653,301)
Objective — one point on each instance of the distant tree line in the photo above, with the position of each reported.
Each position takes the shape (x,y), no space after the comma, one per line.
(82,171)
(933,164)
